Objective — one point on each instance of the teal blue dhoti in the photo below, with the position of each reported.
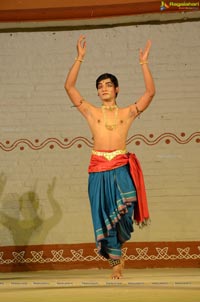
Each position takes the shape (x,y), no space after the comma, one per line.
(112,197)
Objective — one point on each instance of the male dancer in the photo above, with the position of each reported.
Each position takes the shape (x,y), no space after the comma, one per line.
(116,187)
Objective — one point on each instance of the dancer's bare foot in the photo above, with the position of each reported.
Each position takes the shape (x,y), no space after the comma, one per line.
(117,270)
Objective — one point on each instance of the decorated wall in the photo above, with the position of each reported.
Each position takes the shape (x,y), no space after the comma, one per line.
(45,144)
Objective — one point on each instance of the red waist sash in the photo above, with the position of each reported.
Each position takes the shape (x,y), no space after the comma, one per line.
(100,164)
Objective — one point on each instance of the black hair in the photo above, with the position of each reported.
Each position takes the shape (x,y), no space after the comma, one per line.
(105,76)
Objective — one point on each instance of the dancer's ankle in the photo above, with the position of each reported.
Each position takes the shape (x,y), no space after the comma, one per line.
(114,262)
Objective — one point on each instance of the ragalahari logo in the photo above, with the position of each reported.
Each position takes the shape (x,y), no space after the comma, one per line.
(184,5)
(163,6)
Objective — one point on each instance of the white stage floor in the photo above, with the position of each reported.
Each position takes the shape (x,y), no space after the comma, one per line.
(149,285)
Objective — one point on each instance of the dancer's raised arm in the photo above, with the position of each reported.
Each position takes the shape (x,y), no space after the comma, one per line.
(149,93)
(70,83)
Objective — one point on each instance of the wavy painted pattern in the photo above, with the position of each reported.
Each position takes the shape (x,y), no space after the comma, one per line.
(79,141)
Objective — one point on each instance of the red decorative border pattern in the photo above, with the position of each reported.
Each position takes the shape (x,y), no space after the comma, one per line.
(85,255)
(80,140)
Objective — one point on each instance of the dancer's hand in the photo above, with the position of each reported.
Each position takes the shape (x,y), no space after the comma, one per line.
(144,54)
(81,46)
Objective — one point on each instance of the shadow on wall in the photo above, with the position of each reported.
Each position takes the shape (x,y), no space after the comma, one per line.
(20,215)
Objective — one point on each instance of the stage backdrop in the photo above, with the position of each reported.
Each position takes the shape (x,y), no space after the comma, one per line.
(45,145)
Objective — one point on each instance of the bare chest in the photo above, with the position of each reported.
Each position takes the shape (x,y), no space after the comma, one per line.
(110,120)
